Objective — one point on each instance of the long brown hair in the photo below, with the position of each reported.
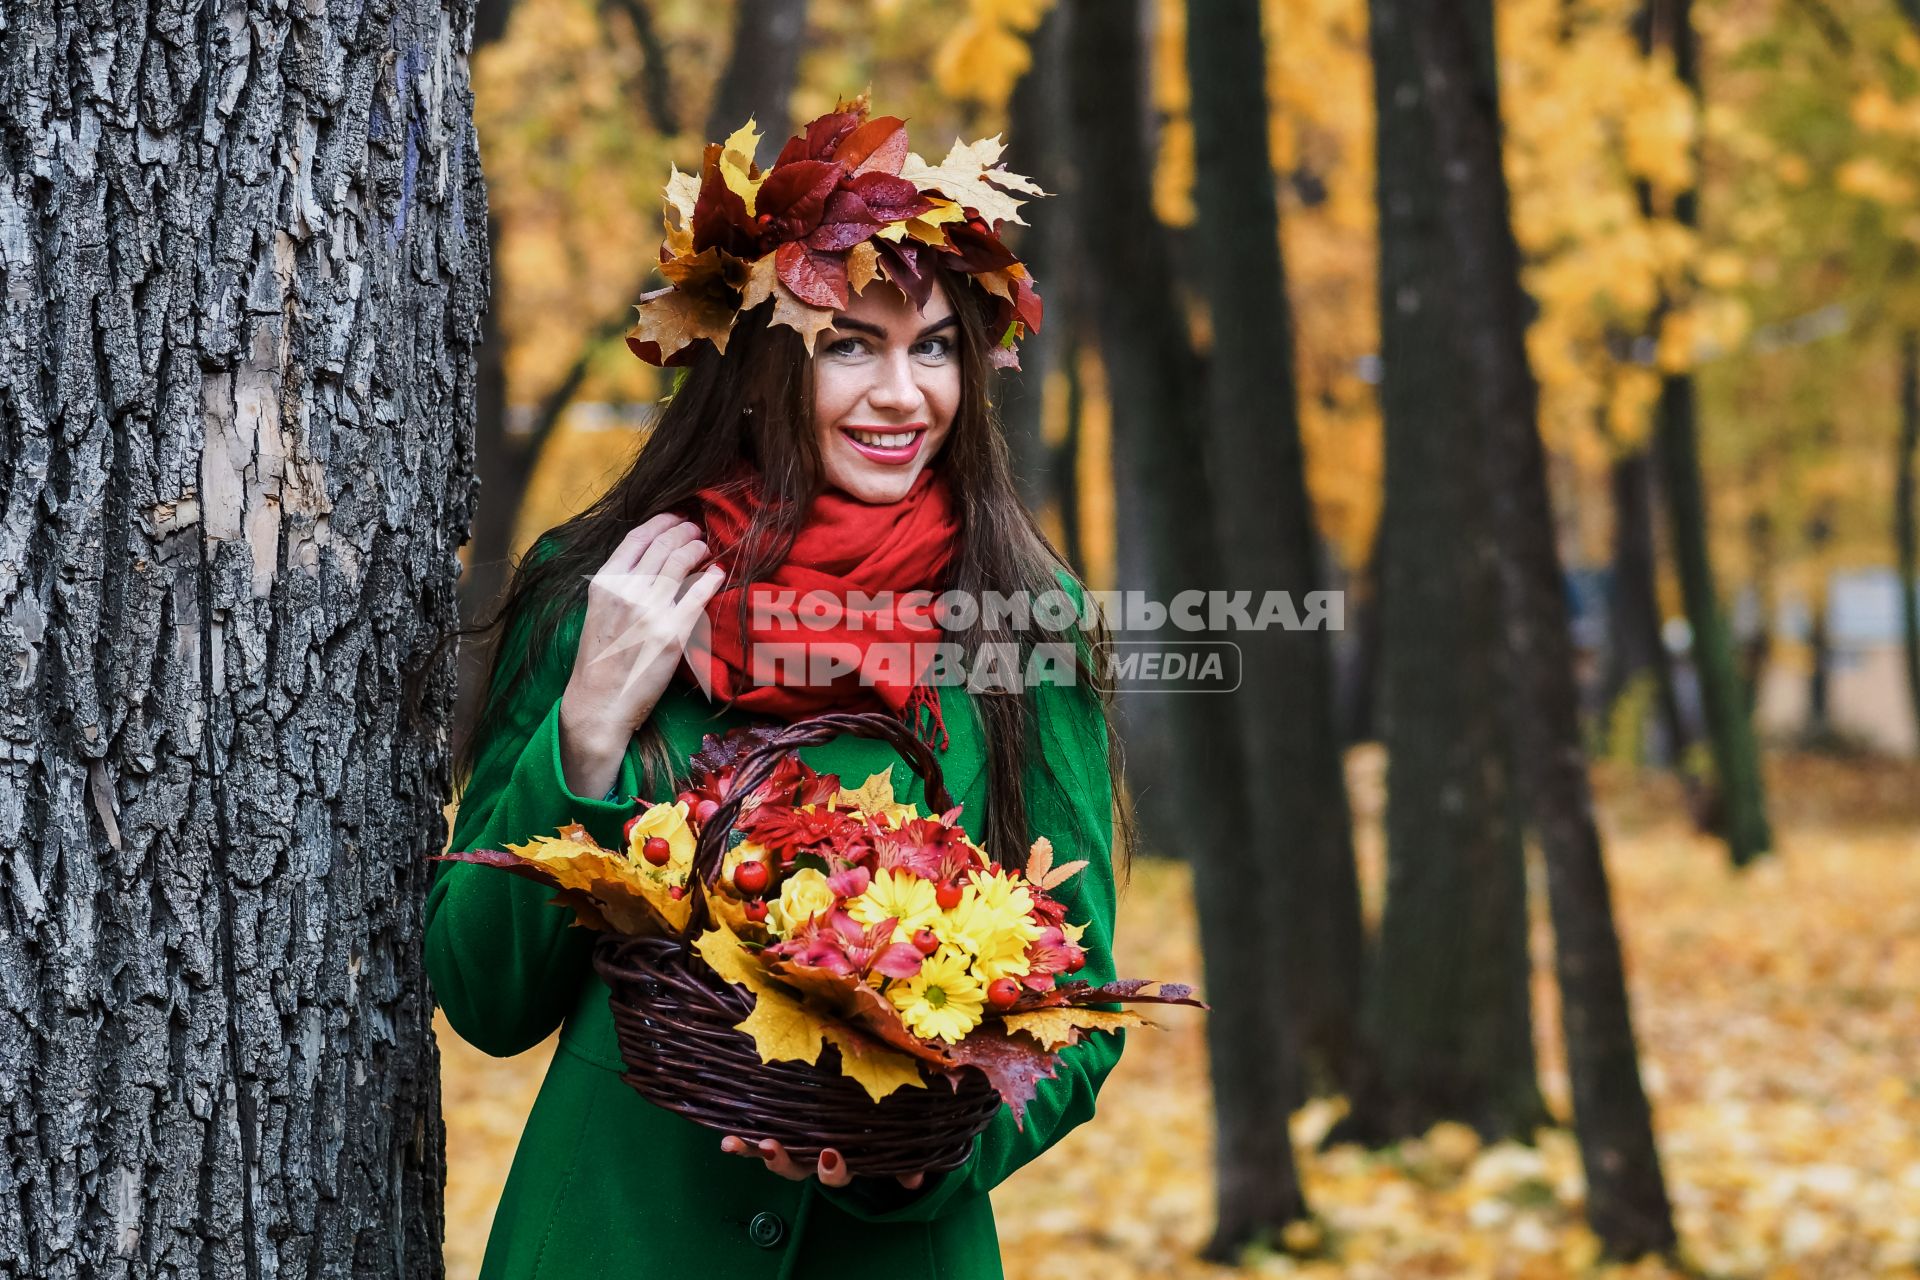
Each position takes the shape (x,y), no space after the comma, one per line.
(755,401)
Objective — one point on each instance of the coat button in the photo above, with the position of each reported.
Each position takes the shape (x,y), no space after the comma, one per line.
(766,1230)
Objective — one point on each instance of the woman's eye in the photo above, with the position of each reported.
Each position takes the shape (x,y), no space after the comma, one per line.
(846,347)
(938,348)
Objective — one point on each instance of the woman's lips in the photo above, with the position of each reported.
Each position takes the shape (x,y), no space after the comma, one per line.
(892,456)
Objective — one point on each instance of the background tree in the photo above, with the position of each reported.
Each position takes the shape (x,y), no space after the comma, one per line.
(244,270)
(1668,25)
(1264,525)
(1626,1193)
(1449,1002)
(1153,384)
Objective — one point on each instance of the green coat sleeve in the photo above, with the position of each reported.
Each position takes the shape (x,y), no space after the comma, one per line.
(1070,801)
(506,964)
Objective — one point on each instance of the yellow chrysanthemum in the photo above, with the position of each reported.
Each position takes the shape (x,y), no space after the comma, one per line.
(941,1002)
(898,893)
(993,924)
(803,895)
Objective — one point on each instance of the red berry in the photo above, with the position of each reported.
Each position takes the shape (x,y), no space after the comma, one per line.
(1002,992)
(947,895)
(657,851)
(764,219)
(626,832)
(704,810)
(756,910)
(750,877)
(676,891)
(1076,958)
(924,942)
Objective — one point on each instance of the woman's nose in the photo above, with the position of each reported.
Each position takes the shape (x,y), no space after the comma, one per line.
(895,387)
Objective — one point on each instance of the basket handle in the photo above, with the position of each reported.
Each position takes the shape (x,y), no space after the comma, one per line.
(758,762)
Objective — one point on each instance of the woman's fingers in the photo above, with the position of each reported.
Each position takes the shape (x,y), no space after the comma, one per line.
(912,1180)
(832,1169)
(638,539)
(654,559)
(693,601)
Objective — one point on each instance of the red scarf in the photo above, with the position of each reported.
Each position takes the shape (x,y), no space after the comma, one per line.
(843,547)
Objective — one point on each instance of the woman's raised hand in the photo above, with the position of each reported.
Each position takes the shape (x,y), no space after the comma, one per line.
(642,607)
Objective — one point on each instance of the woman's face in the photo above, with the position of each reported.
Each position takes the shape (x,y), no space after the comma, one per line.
(886,383)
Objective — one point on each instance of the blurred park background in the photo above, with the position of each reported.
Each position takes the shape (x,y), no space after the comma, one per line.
(1561,912)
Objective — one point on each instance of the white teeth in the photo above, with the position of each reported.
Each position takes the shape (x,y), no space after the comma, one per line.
(891,440)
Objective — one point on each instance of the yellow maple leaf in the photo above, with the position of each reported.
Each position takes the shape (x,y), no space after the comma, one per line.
(1057,1028)
(802,318)
(863,264)
(762,275)
(877,1070)
(736,163)
(871,796)
(782,1028)
(964,176)
(673,318)
(627,898)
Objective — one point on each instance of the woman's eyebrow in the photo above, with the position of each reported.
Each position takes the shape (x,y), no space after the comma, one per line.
(851,325)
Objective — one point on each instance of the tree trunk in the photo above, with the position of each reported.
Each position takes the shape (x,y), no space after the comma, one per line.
(1035,120)
(1736,753)
(1264,520)
(1626,1193)
(1759,646)
(243,262)
(1154,387)
(1908,553)
(1818,730)
(1635,648)
(1449,1006)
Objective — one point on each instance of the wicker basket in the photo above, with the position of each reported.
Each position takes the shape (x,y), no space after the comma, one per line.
(675,1018)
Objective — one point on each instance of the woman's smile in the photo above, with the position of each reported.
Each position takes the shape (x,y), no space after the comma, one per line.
(889,445)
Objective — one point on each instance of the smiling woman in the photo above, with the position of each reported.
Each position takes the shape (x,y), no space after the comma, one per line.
(838,318)
(886,382)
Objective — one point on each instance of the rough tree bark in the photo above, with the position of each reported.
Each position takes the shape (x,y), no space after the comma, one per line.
(1449,1017)
(1264,521)
(1154,387)
(1627,1202)
(243,260)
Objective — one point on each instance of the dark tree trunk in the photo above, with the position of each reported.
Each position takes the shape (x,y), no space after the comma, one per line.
(1449,1006)
(1357,672)
(1264,520)
(1626,1193)
(1818,730)
(1036,120)
(1759,647)
(1635,649)
(242,264)
(1736,754)
(1906,543)
(1154,388)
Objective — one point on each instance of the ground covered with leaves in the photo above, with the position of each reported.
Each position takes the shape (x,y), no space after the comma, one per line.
(1779,1016)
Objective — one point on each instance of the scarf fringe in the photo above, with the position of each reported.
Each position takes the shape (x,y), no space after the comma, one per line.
(925,696)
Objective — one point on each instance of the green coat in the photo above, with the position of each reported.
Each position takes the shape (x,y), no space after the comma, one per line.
(604,1183)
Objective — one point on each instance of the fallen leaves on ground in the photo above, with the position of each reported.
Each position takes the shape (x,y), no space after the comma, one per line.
(1779,1017)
